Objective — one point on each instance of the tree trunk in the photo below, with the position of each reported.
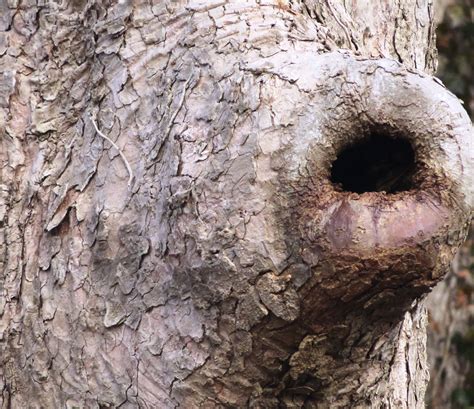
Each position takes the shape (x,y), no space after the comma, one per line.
(451,304)
(181,221)
(450,315)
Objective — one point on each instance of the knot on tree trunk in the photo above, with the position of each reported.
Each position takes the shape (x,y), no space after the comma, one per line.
(379,184)
(375,196)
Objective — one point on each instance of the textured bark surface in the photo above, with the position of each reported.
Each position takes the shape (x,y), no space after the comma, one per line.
(226,270)
(451,308)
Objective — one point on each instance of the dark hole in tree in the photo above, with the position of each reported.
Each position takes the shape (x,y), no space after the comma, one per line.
(376,163)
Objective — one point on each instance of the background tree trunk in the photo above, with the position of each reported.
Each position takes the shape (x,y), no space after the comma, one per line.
(450,305)
(157,271)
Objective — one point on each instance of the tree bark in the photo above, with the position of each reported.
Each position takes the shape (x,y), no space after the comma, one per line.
(170,233)
(450,304)
(450,315)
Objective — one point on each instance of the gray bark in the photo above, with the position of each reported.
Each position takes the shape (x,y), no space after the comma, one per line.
(205,259)
(450,317)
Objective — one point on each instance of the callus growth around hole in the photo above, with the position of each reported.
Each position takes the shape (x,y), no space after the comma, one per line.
(375,163)
(383,179)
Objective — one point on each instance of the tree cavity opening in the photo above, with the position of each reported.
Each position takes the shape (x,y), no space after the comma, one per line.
(374,164)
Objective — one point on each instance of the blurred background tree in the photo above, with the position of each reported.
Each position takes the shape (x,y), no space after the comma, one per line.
(451,305)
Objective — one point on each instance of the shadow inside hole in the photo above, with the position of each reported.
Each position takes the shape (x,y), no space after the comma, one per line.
(374,164)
